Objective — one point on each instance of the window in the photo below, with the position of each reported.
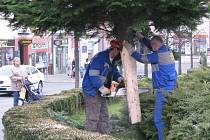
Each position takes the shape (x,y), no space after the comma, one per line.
(34,70)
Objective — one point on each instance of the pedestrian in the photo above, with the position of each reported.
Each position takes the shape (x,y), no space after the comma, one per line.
(86,63)
(101,71)
(68,71)
(16,77)
(73,68)
(81,70)
(164,75)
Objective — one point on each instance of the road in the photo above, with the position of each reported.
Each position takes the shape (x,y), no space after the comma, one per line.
(56,83)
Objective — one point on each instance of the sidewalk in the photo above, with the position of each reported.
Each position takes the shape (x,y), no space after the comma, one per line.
(59,78)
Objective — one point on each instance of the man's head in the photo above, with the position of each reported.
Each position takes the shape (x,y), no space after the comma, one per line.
(156,42)
(115,48)
(16,61)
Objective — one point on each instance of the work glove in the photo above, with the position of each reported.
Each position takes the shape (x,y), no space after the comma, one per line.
(104,91)
(129,47)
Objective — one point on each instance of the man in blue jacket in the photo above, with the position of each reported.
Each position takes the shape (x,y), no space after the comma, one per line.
(164,75)
(101,71)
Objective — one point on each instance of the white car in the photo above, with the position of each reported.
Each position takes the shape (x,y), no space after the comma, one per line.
(34,76)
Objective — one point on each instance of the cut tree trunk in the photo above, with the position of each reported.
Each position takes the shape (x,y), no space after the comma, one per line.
(130,75)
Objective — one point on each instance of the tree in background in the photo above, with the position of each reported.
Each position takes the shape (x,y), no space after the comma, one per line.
(115,17)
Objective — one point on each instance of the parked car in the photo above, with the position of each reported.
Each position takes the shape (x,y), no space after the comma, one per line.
(34,76)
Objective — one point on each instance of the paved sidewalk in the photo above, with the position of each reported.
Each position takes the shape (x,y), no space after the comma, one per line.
(59,78)
(5,104)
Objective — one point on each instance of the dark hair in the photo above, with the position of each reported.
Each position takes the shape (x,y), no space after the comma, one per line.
(158,38)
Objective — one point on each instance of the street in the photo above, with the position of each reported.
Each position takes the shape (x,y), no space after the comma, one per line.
(55,83)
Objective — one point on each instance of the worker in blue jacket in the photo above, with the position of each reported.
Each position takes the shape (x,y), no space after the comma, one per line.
(164,75)
(101,71)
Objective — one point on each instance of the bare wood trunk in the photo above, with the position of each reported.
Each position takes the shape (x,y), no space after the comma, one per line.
(130,72)
(76,55)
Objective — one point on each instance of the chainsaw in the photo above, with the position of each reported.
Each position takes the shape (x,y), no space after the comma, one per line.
(117,89)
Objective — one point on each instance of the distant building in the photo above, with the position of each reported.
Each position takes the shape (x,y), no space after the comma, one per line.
(7,47)
(201,37)
(33,50)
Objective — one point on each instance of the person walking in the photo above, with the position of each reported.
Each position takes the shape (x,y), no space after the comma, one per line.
(164,75)
(73,65)
(16,77)
(96,83)
(68,70)
(86,63)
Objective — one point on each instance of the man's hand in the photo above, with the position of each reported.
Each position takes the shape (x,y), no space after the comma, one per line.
(104,91)
(139,35)
(129,47)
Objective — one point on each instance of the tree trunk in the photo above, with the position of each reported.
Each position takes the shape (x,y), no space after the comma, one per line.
(52,48)
(130,72)
(76,55)
(180,60)
(191,51)
(167,38)
(146,73)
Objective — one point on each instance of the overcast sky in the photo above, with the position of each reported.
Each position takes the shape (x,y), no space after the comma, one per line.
(5,31)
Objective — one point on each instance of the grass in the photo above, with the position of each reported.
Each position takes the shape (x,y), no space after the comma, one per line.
(115,108)
(131,134)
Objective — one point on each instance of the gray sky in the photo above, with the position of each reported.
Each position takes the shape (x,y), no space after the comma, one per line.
(6,32)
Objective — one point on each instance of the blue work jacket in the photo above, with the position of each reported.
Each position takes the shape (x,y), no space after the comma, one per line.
(164,74)
(97,73)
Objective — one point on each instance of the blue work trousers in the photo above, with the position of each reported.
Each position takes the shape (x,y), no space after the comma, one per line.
(159,106)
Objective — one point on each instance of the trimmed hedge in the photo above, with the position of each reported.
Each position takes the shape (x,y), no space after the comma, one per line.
(33,121)
(187,110)
(186,114)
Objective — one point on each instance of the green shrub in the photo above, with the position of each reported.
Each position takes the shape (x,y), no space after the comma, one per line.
(187,110)
(33,121)
(186,114)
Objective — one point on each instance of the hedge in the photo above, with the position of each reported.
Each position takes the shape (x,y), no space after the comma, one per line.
(33,121)
(187,110)
(186,114)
